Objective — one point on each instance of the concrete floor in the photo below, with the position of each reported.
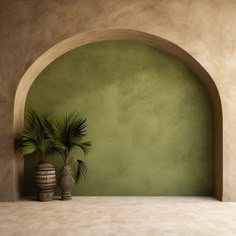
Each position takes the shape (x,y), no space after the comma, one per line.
(131,216)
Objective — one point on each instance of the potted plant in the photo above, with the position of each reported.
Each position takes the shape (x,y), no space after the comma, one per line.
(68,132)
(34,140)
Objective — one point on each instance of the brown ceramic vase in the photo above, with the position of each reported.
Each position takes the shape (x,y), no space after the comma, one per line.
(66,183)
(45,180)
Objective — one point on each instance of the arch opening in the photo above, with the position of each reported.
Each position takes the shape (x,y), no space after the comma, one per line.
(130,35)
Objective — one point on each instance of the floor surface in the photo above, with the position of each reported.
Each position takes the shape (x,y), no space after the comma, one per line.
(133,216)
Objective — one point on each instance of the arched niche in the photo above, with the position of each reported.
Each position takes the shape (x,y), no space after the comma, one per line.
(124,34)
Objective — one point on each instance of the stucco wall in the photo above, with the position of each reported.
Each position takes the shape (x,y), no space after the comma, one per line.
(205,28)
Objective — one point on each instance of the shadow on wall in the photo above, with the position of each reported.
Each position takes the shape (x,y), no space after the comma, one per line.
(149,117)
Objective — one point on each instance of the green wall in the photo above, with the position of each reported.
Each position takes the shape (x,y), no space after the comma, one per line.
(149,118)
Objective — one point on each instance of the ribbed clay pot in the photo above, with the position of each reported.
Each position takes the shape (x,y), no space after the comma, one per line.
(66,182)
(45,180)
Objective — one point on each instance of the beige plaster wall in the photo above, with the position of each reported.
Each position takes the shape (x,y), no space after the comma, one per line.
(204,28)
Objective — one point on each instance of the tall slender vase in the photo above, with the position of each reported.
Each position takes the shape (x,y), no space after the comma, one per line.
(66,182)
(45,180)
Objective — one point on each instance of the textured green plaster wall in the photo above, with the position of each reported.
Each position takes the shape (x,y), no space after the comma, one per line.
(149,118)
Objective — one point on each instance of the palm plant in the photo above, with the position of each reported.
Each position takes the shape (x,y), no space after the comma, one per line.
(35,140)
(67,133)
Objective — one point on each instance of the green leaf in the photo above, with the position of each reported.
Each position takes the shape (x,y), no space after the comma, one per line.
(81,170)
(85,146)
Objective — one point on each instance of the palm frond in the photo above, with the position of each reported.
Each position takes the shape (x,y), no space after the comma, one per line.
(56,147)
(81,170)
(33,121)
(70,130)
(24,147)
(35,137)
(85,146)
(48,126)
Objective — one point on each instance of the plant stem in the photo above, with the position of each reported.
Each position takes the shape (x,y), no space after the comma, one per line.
(43,156)
(66,157)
